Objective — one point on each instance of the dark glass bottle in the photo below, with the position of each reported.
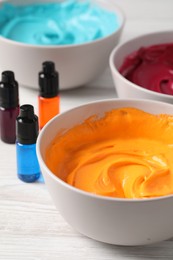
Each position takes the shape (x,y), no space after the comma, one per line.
(9,107)
(28,169)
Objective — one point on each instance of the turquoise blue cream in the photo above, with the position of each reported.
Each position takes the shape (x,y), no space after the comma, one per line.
(58,23)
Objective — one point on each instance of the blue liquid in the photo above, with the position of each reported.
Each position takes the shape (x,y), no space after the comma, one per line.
(28,168)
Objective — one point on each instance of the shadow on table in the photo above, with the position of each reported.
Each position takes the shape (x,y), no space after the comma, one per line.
(162,250)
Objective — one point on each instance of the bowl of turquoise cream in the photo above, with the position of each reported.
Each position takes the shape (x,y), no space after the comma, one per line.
(77,36)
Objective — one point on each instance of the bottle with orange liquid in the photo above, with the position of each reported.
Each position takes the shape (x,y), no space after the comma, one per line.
(48,99)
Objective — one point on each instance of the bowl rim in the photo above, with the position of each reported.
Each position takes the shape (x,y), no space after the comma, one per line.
(115,70)
(120,14)
(85,193)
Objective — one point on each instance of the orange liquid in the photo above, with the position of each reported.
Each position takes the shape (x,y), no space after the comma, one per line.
(48,108)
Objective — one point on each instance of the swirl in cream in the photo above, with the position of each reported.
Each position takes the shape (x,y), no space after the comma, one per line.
(151,68)
(127,153)
(67,22)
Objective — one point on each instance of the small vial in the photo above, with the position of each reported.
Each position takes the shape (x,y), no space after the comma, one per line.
(9,107)
(48,99)
(28,169)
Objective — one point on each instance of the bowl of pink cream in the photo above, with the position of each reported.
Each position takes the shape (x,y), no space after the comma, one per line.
(143,67)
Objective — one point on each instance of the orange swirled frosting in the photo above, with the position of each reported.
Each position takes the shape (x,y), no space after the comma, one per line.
(127,153)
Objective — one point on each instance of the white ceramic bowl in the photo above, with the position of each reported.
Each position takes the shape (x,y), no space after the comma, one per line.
(77,64)
(110,220)
(125,88)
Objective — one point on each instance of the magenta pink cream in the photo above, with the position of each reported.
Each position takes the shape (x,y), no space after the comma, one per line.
(151,68)
(9,107)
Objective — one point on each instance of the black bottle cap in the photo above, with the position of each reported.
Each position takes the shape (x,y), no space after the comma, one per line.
(27,125)
(48,80)
(9,94)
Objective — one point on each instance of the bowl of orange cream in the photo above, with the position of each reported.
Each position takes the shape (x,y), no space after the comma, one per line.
(109,170)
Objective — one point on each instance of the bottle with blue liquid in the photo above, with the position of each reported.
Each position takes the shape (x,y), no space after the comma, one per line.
(28,169)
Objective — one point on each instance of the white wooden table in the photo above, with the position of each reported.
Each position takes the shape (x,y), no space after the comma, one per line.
(30,226)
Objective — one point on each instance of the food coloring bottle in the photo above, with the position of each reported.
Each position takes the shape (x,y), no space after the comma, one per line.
(9,107)
(28,169)
(48,100)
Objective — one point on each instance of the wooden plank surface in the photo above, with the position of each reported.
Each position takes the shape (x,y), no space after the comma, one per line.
(30,226)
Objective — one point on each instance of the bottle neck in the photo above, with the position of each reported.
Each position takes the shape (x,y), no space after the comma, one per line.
(27,125)
(9,93)
(9,97)
(48,80)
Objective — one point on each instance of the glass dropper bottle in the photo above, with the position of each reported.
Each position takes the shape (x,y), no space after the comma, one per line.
(9,107)
(48,99)
(28,169)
